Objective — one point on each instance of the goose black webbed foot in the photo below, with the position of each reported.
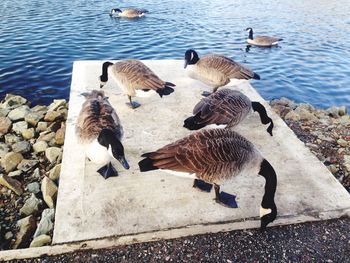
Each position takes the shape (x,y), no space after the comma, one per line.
(107,171)
(201,185)
(206,94)
(224,198)
(133,104)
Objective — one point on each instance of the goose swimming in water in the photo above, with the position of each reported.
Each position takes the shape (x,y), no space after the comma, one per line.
(262,41)
(215,156)
(225,106)
(215,70)
(128,12)
(132,75)
(99,129)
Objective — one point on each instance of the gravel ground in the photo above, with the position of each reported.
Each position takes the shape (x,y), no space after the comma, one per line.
(327,241)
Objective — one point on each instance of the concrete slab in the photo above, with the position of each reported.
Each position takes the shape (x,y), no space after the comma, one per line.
(160,205)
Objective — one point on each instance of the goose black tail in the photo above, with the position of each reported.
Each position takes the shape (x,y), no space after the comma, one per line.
(146,164)
(256,76)
(191,123)
(166,90)
(265,119)
(280,39)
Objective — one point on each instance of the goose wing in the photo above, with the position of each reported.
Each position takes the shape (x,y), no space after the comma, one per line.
(226,66)
(96,114)
(222,107)
(138,75)
(213,154)
(266,40)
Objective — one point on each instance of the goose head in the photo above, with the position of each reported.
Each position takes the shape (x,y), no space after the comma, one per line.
(108,138)
(191,57)
(104,76)
(115,11)
(268,209)
(250,30)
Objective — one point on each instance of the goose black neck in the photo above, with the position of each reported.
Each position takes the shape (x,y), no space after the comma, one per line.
(104,76)
(264,118)
(267,171)
(250,34)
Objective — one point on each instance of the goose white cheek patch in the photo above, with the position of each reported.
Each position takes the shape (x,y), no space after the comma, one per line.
(264,211)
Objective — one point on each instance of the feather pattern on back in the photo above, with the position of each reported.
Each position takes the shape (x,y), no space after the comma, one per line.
(96,114)
(223,107)
(133,74)
(214,155)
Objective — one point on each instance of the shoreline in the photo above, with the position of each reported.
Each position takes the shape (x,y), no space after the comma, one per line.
(31,141)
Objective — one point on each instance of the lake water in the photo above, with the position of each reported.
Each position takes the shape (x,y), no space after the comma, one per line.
(39,40)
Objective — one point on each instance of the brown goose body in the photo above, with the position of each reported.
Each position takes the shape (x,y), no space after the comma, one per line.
(97,114)
(263,41)
(214,155)
(128,12)
(216,70)
(225,106)
(132,75)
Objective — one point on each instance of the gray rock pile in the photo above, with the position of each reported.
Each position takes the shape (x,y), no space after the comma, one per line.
(31,140)
(326,132)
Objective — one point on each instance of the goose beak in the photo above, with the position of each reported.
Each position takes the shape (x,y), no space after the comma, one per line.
(185,65)
(124,162)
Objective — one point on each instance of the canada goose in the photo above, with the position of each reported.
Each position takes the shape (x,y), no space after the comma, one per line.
(215,70)
(262,41)
(215,156)
(132,75)
(128,13)
(99,129)
(225,106)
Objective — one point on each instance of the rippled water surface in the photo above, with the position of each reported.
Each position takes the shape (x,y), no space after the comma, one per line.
(39,40)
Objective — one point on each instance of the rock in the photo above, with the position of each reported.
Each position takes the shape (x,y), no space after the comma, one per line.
(42,126)
(59,137)
(27,227)
(31,206)
(14,174)
(27,165)
(21,147)
(49,190)
(4,149)
(28,133)
(333,169)
(12,101)
(40,146)
(333,112)
(52,116)
(33,187)
(45,225)
(4,112)
(342,142)
(19,127)
(304,113)
(39,108)
(5,125)
(11,184)
(54,173)
(8,235)
(56,104)
(342,110)
(33,118)
(46,136)
(10,161)
(347,162)
(292,115)
(11,138)
(40,241)
(36,173)
(19,113)
(53,154)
